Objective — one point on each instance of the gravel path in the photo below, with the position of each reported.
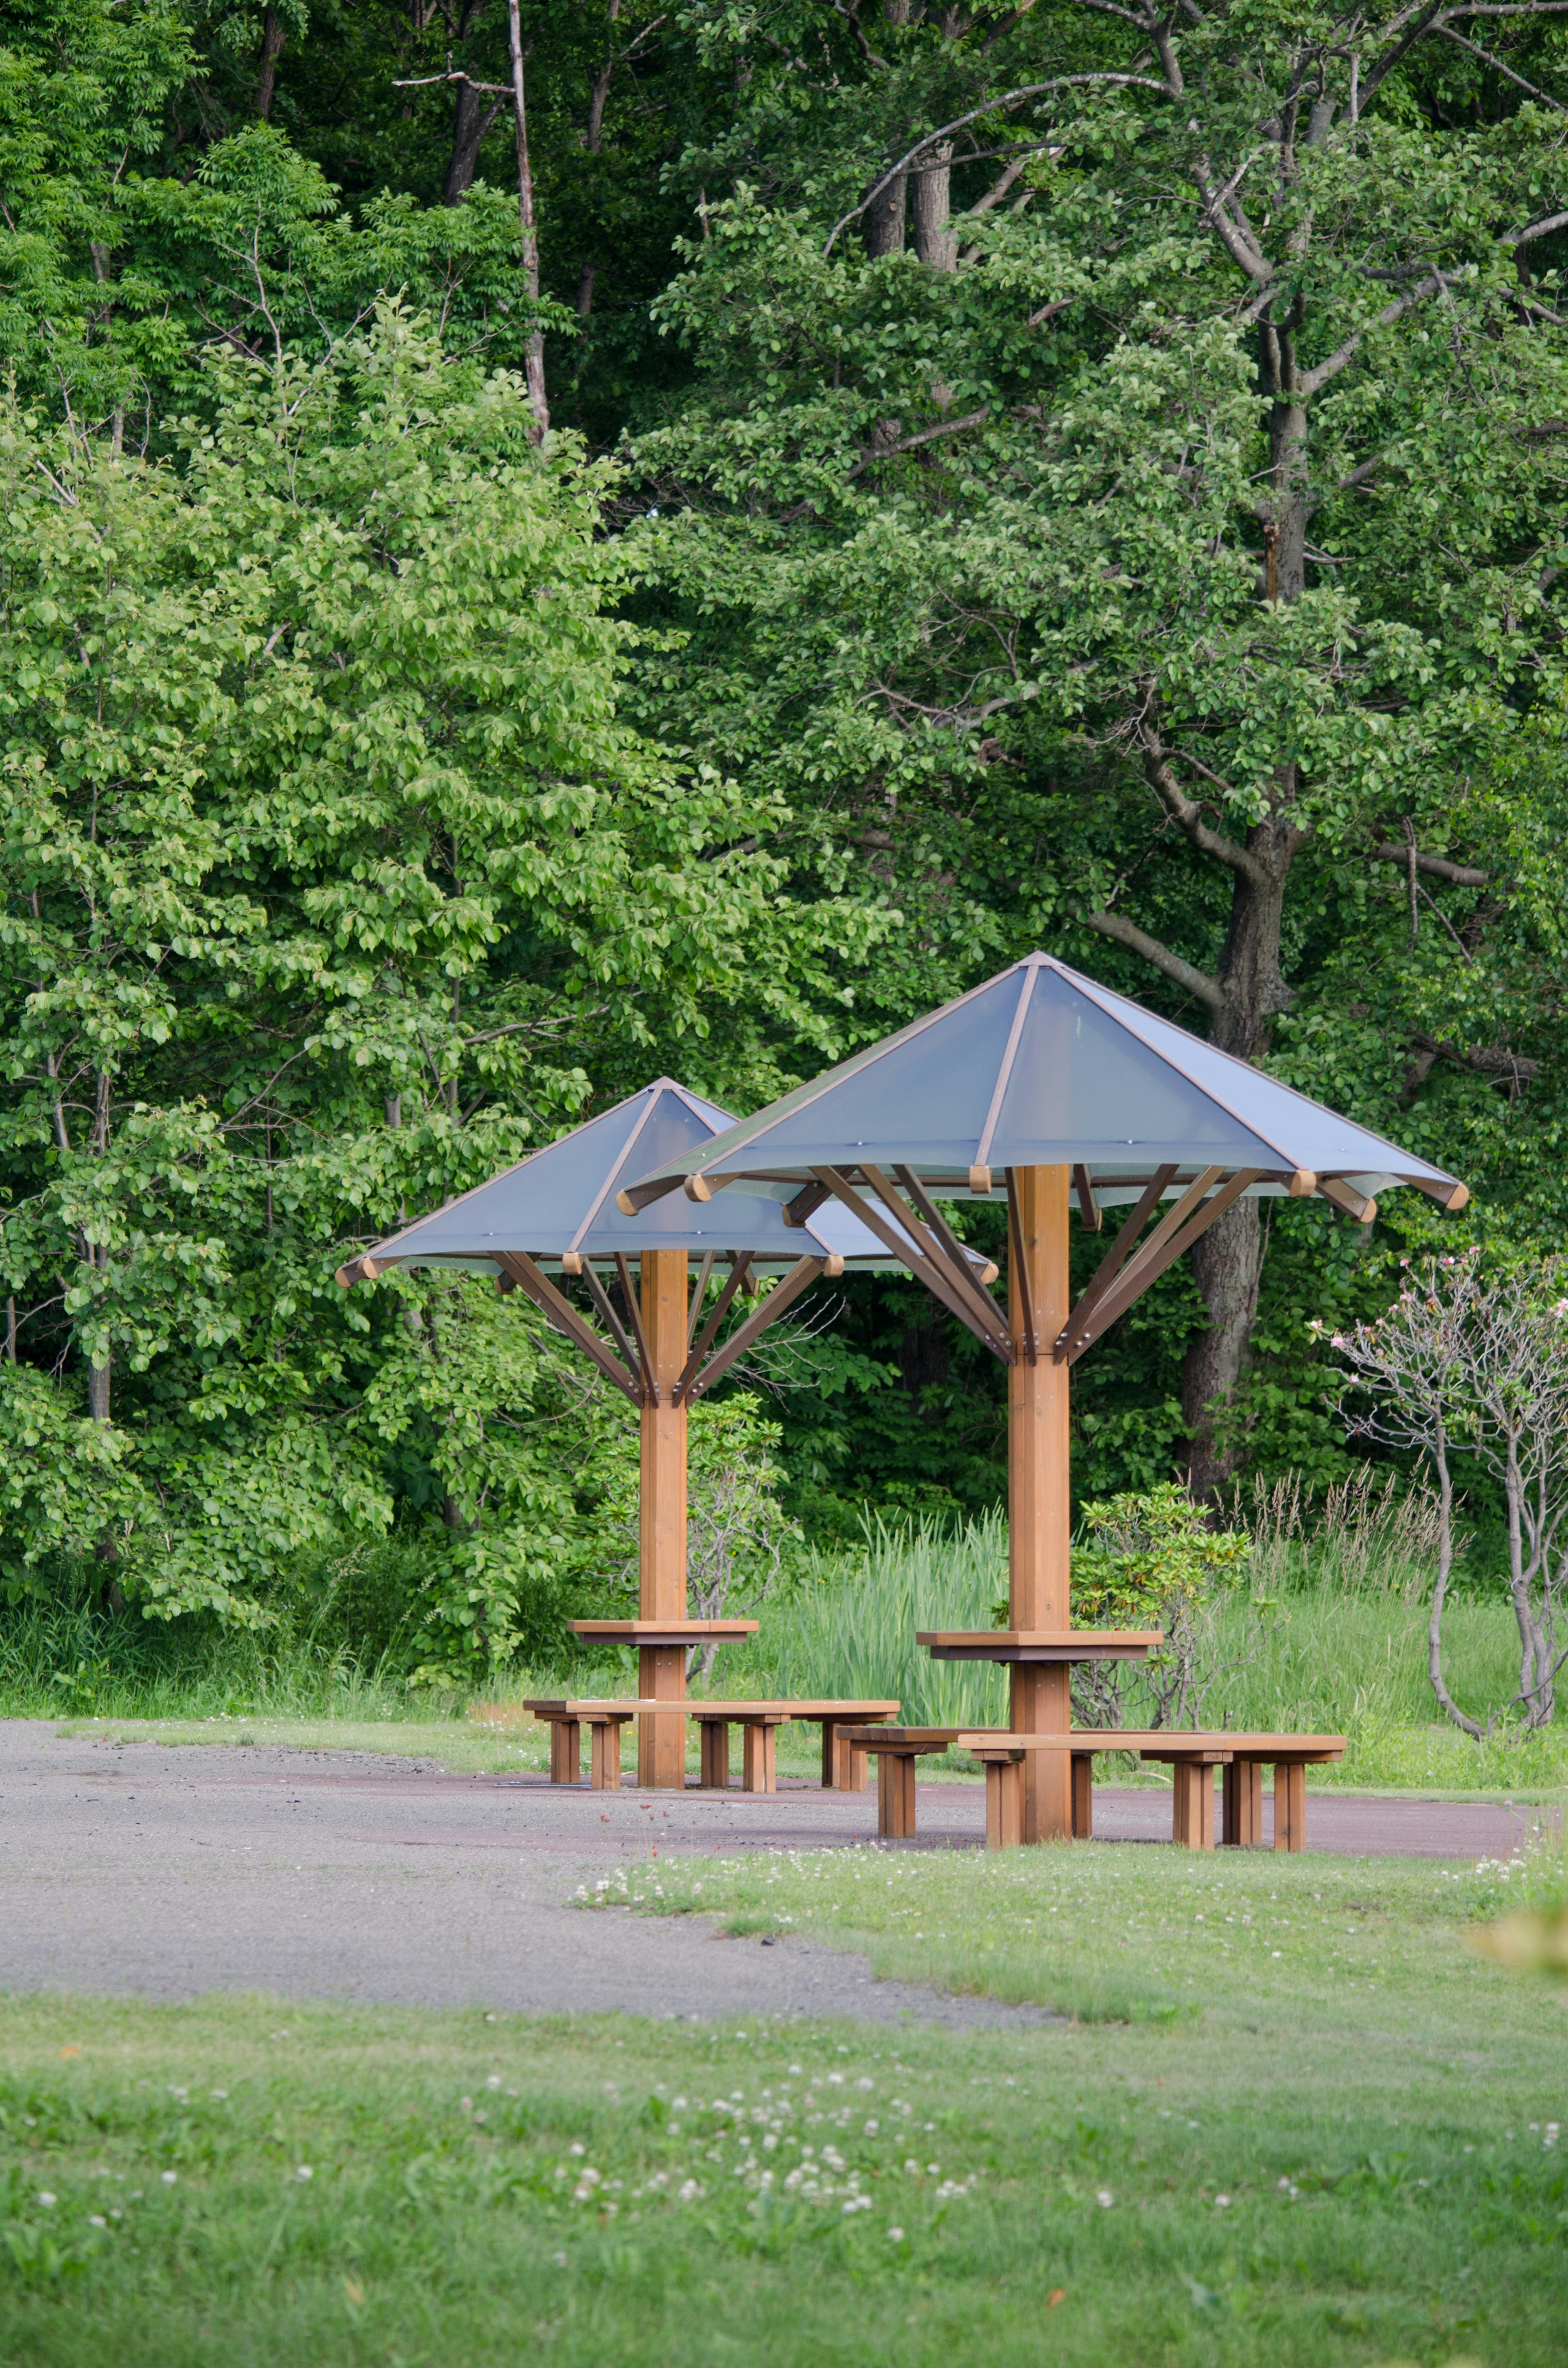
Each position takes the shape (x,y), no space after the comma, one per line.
(138,1869)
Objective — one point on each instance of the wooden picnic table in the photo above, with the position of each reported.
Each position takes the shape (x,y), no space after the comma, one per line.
(843,1762)
(1192,1756)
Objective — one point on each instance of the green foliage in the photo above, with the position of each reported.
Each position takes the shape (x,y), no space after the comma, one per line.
(1150,1559)
(381,792)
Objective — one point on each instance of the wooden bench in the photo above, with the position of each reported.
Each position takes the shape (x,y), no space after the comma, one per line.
(844,1767)
(1192,1758)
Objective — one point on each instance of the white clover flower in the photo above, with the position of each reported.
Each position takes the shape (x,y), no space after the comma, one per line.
(96,2220)
(46,2199)
(1104,2199)
(689,2191)
(169,2177)
(305,2171)
(1222,2203)
(895,2236)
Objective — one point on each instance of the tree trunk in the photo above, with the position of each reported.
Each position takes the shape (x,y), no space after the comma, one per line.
(534,359)
(474,116)
(272,39)
(936,240)
(1227,1261)
(882,222)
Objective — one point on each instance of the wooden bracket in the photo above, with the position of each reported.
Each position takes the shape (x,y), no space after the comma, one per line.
(1110,1265)
(602,1300)
(1345,1196)
(560,1312)
(1193,1215)
(1090,1214)
(931,1259)
(739,1269)
(804,1273)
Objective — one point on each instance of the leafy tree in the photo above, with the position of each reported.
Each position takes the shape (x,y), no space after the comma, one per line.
(330,869)
(1152,551)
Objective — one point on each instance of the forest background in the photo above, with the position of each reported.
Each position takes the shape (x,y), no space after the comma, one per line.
(544,545)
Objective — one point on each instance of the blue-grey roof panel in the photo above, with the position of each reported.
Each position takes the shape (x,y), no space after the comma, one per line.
(1042,1066)
(561,1199)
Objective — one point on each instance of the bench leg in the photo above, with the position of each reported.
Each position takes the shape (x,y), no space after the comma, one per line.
(760,1759)
(604,1754)
(1083,1795)
(1290,1806)
(1004,1803)
(1192,1805)
(896,1795)
(714,1749)
(1243,1788)
(565,1751)
(843,1766)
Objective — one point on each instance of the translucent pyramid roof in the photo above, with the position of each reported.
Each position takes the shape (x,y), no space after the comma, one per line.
(562,1201)
(1042,1066)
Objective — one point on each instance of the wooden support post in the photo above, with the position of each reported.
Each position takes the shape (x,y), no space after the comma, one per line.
(1290,1805)
(715,1754)
(1004,1801)
(1192,1805)
(660,1742)
(604,1754)
(1039,1496)
(896,1795)
(565,1751)
(760,1759)
(843,1763)
(1083,1795)
(1244,1804)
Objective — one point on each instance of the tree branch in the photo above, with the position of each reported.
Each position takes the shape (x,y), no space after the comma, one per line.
(988,106)
(1126,933)
(1536,230)
(1390,58)
(1187,815)
(1463,875)
(1313,378)
(1498,67)
(926,435)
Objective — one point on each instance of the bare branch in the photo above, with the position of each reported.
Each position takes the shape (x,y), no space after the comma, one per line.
(1392,57)
(1498,67)
(1187,815)
(926,435)
(1463,875)
(1536,230)
(1127,933)
(1313,378)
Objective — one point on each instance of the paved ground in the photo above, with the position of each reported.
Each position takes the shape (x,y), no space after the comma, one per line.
(136,1869)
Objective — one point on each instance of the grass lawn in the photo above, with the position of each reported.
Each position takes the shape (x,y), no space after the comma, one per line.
(1318,2136)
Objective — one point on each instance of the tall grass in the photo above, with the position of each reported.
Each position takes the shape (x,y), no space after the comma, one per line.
(77,1661)
(1366,1536)
(846,1628)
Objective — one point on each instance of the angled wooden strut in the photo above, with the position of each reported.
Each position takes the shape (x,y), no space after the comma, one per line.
(938,1239)
(561,1313)
(917,1249)
(1028,1340)
(1090,1214)
(1110,1265)
(630,1292)
(1192,1215)
(603,1302)
(739,1269)
(804,1273)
